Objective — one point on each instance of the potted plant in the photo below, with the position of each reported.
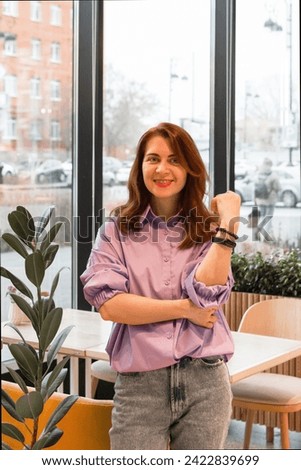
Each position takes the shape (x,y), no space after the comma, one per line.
(35,245)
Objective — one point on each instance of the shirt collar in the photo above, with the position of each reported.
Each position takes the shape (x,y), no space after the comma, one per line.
(149,217)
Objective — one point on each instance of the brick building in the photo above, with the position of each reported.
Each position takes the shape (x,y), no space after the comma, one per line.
(35,80)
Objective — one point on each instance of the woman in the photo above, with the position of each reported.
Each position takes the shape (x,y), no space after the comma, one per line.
(160,273)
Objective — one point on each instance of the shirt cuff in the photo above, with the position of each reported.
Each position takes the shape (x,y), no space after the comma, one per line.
(206,296)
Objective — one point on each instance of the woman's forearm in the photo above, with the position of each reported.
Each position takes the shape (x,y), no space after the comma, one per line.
(134,309)
(214,268)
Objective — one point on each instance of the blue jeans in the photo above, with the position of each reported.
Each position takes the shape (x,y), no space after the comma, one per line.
(185,406)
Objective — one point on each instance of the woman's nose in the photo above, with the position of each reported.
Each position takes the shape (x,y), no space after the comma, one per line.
(162,167)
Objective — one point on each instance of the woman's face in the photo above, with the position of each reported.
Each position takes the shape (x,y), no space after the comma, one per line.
(163,175)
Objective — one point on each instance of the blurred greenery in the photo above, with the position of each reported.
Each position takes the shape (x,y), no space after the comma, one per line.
(277,274)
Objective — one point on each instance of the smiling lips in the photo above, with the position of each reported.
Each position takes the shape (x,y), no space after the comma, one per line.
(163,183)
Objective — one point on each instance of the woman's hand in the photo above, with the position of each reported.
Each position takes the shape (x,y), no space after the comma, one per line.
(201,316)
(227,206)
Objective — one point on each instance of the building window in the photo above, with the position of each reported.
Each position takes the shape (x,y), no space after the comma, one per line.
(36,49)
(55,53)
(55,90)
(35,88)
(55,130)
(55,15)
(10,45)
(10,85)
(10,129)
(36,130)
(10,8)
(35,11)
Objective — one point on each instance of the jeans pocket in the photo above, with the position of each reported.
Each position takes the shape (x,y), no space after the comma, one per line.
(212,361)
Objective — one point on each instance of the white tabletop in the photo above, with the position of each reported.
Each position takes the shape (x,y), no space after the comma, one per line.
(89,330)
(252,354)
(88,338)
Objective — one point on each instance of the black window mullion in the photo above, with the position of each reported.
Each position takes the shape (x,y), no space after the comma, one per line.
(222,103)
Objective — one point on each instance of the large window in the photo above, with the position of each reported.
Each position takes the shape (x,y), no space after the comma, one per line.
(268,120)
(35,131)
(156,68)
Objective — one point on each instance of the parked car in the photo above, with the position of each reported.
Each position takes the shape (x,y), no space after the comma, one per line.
(67,166)
(111,164)
(50,171)
(290,193)
(108,178)
(122,175)
(7,170)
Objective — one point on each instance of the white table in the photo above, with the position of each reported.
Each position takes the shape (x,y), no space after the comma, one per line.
(88,338)
(89,330)
(252,354)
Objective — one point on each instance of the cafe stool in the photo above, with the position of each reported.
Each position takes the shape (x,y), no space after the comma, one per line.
(101,370)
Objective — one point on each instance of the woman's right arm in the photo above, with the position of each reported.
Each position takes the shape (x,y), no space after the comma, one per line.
(134,309)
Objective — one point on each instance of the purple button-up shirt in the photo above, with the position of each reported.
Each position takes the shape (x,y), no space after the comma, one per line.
(149,263)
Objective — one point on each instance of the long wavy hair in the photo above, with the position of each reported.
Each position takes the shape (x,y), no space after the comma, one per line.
(194,213)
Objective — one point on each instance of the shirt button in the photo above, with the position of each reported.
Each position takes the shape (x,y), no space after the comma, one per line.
(169,335)
(167,283)
(166,259)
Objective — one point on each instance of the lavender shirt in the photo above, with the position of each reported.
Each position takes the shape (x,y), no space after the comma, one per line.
(149,263)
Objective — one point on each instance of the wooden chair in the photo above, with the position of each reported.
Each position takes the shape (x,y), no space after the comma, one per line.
(86,425)
(269,392)
(101,370)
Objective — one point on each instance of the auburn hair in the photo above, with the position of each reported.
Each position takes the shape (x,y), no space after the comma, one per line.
(195,215)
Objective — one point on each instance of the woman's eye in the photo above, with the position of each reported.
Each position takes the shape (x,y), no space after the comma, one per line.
(174,161)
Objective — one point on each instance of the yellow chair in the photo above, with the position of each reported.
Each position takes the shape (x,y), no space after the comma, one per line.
(275,393)
(86,425)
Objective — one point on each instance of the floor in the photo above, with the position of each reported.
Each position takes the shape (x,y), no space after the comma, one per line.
(258,441)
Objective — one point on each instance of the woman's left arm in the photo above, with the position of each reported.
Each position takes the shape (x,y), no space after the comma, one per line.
(215,266)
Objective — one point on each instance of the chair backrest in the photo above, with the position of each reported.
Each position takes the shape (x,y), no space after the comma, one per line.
(86,425)
(274,317)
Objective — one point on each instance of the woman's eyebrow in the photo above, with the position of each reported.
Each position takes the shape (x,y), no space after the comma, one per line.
(157,155)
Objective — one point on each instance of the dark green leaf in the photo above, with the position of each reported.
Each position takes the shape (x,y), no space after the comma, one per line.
(41,222)
(49,255)
(35,268)
(60,412)
(15,244)
(48,440)
(57,343)
(12,431)
(50,236)
(26,359)
(50,327)
(55,283)
(19,285)
(10,406)
(54,379)
(13,327)
(30,405)
(21,225)
(18,379)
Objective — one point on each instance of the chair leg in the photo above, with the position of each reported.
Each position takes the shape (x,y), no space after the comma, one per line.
(248,428)
(285,440)
(94,383)
(270,434)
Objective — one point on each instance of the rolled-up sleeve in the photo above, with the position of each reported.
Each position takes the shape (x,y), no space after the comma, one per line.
(201,294)
(106,274)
